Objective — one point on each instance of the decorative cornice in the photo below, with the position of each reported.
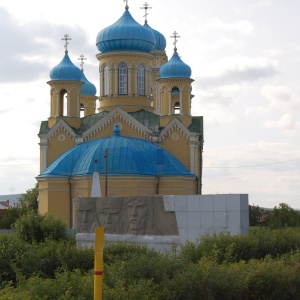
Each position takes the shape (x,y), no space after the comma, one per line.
(60,126)
(124,53)
(173,125)
(117,114)
(160,80)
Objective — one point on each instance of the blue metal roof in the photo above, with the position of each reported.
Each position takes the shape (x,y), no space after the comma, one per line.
(126,156)
(65,70)
(160,40)
(175,68)
(125,35)
(88,88)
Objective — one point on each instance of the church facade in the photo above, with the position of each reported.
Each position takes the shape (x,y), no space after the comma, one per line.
(142,138)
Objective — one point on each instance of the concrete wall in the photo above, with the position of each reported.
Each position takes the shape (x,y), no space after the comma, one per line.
(196,215)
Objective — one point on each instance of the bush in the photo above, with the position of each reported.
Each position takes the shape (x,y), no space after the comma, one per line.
(34,227)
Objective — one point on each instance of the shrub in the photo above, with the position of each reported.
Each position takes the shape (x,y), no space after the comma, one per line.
(34,227)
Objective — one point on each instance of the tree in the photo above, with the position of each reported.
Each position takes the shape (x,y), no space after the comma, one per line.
(29,201)
(284,216)
(258,216)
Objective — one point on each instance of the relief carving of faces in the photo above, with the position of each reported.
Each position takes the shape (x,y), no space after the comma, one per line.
(109,215)
(137,211)
(86,213)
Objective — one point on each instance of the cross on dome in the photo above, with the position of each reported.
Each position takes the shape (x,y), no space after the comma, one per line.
(66,38)
(81,58)
(175,36)
(126,7)
(145,7)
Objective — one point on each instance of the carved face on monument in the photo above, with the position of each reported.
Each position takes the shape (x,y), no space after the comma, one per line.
(109,215)
(86,213)
(137,210)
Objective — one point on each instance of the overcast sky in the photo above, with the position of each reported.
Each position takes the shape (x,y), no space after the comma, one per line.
(245,60)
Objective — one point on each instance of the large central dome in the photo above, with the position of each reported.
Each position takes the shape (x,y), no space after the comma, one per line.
(126,157)
(125,35)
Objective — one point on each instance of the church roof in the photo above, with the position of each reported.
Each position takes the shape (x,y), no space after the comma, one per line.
(148,119)
(127,156)
(175,68)
(87,89)
(125,35)
(65,70)
(160,40)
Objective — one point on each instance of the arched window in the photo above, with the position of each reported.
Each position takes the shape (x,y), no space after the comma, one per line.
(122,79)
(81,110)
(63,104)
(177,108)
(141,80)
(105,81)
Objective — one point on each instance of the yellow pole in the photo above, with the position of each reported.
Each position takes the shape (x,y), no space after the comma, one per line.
(98,267)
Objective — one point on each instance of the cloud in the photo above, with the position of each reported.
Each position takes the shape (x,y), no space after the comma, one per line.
(27,46)
(282,97)
(256,110)
(234,70)
(286,123)
(241,27)
(268,172)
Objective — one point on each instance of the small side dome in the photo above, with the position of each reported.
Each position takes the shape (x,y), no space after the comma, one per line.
(65,70)
(175,68)
(125,35)
(87,88)
(160,40)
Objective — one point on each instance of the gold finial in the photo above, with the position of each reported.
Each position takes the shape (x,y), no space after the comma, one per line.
(82,58)
(66,38)
(175,36)
(126,7)
(145,7)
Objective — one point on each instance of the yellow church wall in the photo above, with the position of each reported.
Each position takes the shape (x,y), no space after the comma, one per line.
(126,130)
(58,145)
(54,198)
(178,146)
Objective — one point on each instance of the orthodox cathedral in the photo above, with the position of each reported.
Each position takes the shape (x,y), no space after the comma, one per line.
(142,138)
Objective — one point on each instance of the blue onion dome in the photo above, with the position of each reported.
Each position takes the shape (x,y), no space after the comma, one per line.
(125,35)
(127,156)
(65,70)
(87,88)
(160,40)
(175,68)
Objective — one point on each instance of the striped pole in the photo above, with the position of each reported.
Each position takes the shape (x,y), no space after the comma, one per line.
(98,266)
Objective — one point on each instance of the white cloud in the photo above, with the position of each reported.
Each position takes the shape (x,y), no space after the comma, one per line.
(238,69)
(287,123)
(241,27)
(282,97)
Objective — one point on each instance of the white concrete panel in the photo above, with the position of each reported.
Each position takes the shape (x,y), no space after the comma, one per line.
(244,202)
(193,202)
(194,219)
(193,234)
(219,202)
(180,203)
(183,235)
(206,203)
(220,219)
(233,202)
(181,218)
(169,202)
(234,224)
(207,220)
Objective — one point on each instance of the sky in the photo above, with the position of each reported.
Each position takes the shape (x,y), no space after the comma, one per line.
(245,60)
